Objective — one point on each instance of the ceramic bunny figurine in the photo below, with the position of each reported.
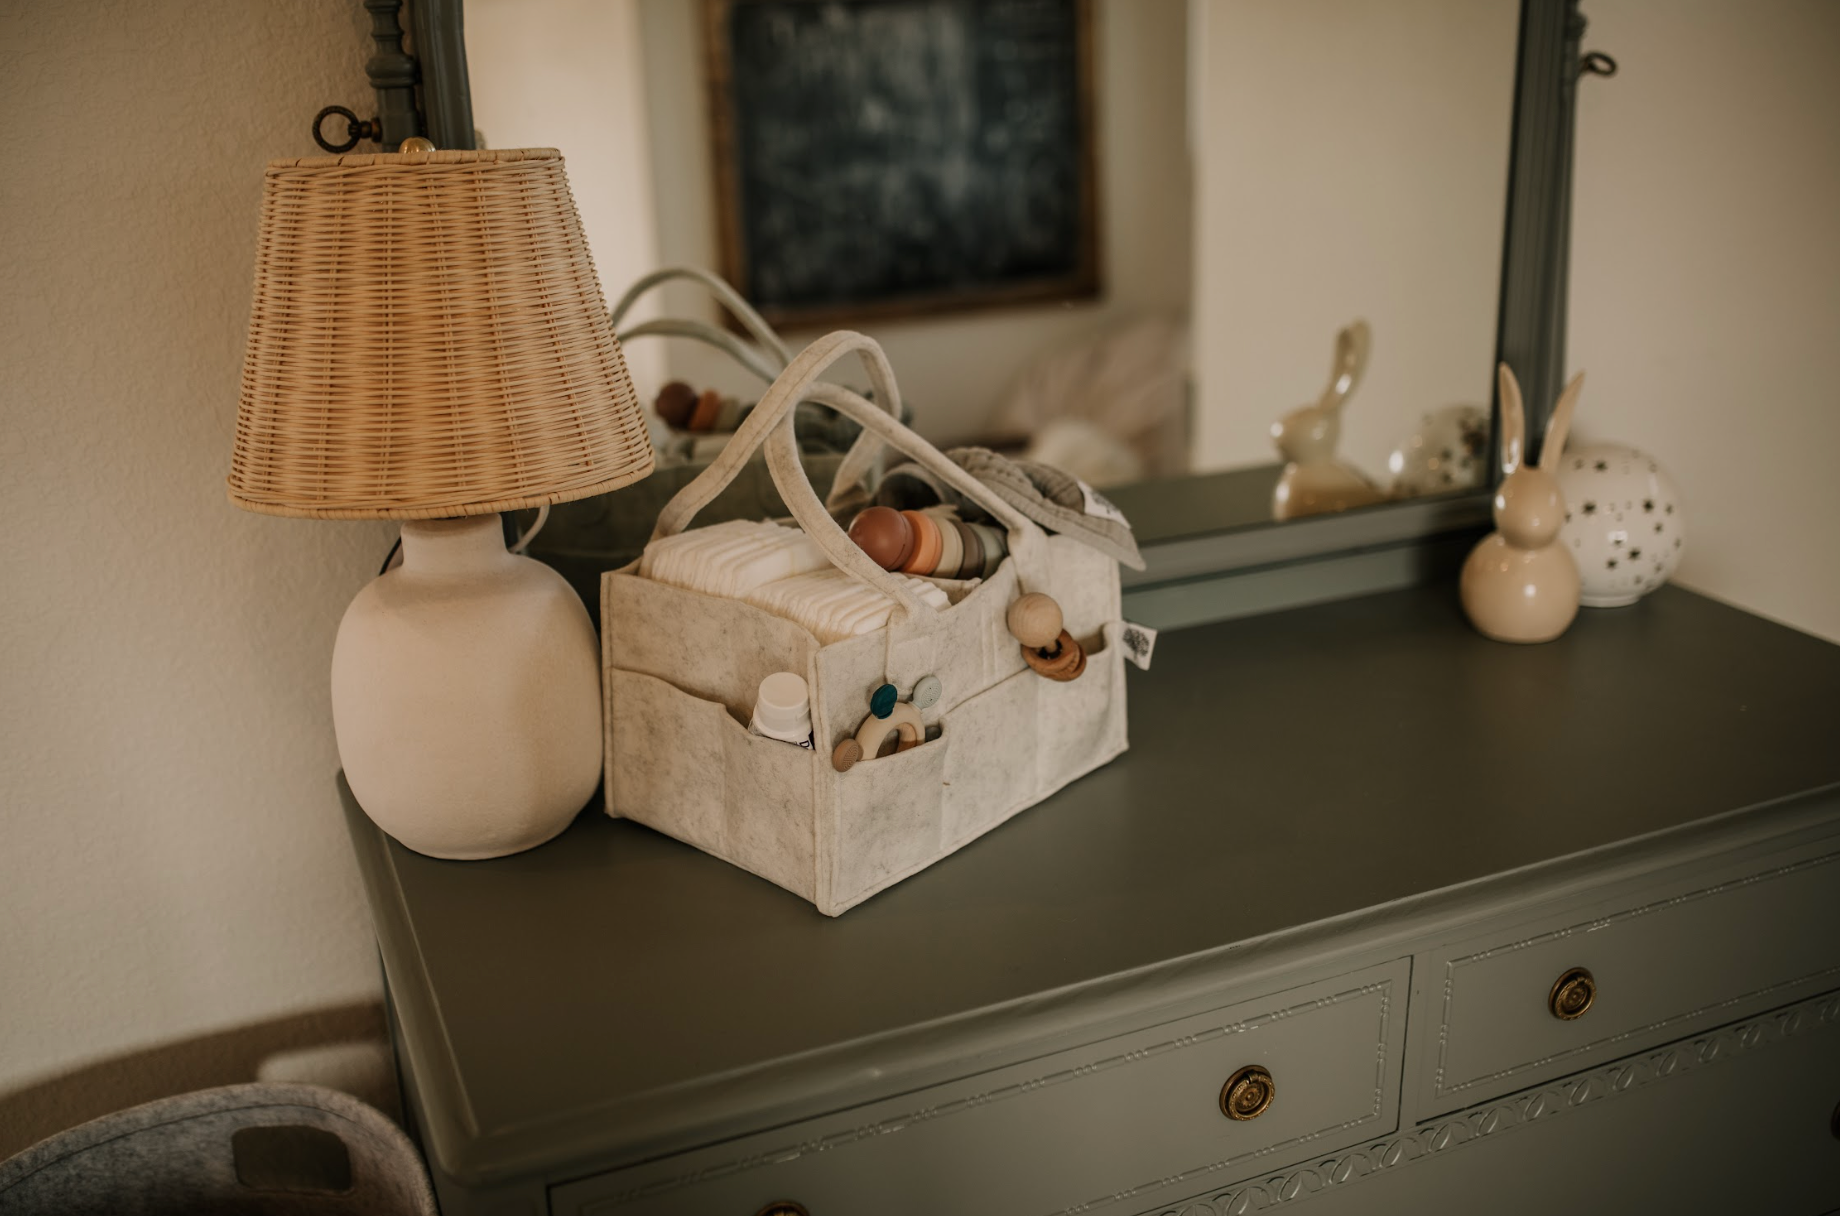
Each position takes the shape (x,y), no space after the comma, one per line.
(1519,586)
(1315,481)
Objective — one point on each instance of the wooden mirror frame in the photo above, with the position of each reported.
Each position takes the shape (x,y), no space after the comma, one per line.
(1246,568)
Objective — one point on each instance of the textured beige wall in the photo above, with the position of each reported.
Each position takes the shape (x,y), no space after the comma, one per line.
(172,858)
(1353,163)
(1705,303)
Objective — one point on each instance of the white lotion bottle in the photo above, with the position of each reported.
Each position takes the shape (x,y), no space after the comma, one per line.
(782,710)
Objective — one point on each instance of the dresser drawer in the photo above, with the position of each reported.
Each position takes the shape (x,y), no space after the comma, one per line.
(1116,1125)
(1654,971)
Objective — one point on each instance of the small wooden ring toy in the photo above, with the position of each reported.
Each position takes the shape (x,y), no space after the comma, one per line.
(972,564)
(951,549)
(927,544)
(874,731)
(996,547)
(708,409)
(1065,662)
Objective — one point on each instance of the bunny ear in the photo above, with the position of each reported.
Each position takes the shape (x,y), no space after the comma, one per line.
(1352,344)
(1560,424)
(1513,421)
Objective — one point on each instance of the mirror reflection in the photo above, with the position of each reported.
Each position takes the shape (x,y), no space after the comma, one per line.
(1232,261)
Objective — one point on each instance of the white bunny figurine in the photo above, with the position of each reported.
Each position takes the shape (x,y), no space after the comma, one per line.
(1315,481)
(1519,586)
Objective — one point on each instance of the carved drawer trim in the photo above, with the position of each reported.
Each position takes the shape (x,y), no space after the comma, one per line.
(612,1202)
(1536,1105)
(1442,1088)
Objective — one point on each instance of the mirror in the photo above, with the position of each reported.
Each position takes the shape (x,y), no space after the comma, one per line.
(1298,209)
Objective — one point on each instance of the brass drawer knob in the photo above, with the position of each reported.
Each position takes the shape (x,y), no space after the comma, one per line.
(1247,1093)
(1572,994)
(783,1207)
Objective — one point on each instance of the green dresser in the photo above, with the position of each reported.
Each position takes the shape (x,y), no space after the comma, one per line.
(1459,926)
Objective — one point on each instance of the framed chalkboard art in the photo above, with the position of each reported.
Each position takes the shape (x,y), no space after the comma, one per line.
(881,158)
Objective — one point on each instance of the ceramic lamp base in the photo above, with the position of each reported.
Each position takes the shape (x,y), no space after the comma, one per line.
(466,695)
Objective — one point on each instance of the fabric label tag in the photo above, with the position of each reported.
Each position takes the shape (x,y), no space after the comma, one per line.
(1099,505)
(1139,642)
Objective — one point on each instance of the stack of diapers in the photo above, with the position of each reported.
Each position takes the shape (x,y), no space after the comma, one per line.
(779,570)
(731,559)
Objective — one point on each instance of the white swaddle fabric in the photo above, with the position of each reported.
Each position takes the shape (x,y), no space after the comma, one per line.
(779,570)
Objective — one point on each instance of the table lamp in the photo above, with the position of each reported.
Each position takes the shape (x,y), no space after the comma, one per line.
(429,343)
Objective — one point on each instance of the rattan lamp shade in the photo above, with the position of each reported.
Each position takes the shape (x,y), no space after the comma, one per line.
(428,339)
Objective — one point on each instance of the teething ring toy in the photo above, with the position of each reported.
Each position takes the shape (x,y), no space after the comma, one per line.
(1035,621)
(1065,661)
(904,721)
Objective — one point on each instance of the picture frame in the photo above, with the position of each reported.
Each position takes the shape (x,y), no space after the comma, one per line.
(878,159)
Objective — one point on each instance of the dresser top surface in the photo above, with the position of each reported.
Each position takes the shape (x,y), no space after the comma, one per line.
(1284,770)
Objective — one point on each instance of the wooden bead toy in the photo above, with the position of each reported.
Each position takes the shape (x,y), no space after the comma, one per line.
(1035,620)
(708,410)
(873,734)
(885,535)
(674,403)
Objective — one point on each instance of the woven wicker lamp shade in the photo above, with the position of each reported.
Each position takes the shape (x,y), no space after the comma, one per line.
(428,339)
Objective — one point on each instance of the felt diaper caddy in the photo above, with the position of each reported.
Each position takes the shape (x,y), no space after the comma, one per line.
(681,670)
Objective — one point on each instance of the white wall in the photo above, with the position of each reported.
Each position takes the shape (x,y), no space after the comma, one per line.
(566,74)
(1705,304)
(955,370)
(1352,162)
(172,857)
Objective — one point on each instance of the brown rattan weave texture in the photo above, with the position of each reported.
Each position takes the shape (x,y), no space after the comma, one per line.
(428,339)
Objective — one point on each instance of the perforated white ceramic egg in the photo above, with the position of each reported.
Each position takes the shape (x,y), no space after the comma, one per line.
(1623,522)
(1448,451)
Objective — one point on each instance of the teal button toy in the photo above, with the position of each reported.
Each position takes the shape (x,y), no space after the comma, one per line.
(882,700)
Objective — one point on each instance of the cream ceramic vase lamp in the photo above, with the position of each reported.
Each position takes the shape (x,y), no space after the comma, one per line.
(429,343)
(1314,480)
(1518,584)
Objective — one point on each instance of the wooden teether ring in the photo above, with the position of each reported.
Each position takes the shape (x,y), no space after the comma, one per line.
(1063,662)
(874,731)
